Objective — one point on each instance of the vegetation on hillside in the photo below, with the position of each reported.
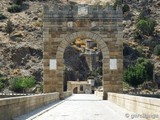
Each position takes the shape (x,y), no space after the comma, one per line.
(21,84)
(14,8)
(2,83)
(157,50)
(146,26)
(137,74)
(2,16)
(146,42)
(9,27)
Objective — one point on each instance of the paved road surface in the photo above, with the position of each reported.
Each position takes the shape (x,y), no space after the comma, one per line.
(80,107)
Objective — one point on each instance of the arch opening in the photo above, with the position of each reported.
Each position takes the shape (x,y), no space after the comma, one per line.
(83,62)
(75,90)
(75,38)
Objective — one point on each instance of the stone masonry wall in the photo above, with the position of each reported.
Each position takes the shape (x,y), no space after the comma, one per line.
(140,105)
(62,25)
(16,106)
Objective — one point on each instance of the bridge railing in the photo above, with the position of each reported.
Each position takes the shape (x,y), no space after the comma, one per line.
(15,106)
(21,103)
(141,105)
(67,94)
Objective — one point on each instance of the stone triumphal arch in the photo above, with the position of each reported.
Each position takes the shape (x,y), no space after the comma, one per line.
(63,24)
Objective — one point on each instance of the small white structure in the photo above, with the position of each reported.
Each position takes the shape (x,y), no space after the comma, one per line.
(79,87)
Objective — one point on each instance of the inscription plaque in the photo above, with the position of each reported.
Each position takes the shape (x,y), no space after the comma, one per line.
(53,64)
(113,64)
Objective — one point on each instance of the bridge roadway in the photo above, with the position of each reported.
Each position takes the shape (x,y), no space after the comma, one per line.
(78,107)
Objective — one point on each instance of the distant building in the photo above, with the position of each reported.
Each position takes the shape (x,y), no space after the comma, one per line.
(79,87)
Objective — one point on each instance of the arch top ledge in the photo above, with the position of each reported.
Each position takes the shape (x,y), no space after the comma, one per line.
(83,34)
(52,10)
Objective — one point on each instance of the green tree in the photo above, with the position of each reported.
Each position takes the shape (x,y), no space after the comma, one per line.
(18,2)
(2,83)
(27,82)
(141,72)
(148,67)
(15,84)
(21,84)
(135,75)
(14,8)
(146,26)
(157,50)
(2,16)
(9,27)
(125,8)
(142,16)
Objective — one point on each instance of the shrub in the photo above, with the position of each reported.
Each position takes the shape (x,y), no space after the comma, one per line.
(146,26)
(28,82)
(148,67)
(21,84)
(14,8)
(135,75)
(2,83)
(137,35)
(1,86)
(2,16)
(157,50)
(142,71)
(9,27)
(151,43)
(139,51)
(125,8)
(18,2)
(144,14)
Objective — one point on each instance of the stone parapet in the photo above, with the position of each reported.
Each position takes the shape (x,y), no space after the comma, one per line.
(13,107)
(139,105)
(67,94)
(98,94)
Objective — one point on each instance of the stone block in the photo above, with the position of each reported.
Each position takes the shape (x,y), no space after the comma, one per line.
(65,43)
(61,49)
(60,68)
(46,62)
(59,74)
(67,39)
(59,54)
(46,55)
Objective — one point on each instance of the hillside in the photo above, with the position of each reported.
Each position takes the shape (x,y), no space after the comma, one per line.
(21,52)
(141,45)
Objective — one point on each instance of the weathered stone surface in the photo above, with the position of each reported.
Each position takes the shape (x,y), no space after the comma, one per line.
(137,104)
(13,107)
(105,37)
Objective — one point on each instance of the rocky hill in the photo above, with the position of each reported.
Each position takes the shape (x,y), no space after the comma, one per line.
(141,45)
(21,52)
